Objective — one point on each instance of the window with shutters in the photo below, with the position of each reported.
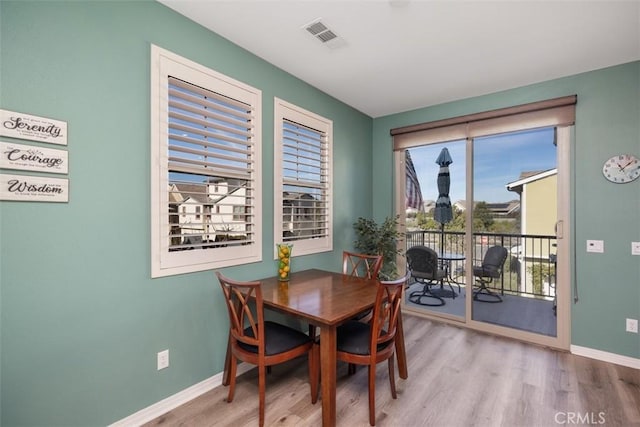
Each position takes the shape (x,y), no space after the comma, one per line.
(303,179)
(205,168)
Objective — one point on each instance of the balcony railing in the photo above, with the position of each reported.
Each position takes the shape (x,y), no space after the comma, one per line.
(530,268)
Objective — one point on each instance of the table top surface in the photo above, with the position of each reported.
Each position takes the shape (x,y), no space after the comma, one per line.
(321,297)
(450,256)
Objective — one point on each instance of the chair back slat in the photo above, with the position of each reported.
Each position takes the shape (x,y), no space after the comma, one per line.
(238,296)
(361,265)
(386,311)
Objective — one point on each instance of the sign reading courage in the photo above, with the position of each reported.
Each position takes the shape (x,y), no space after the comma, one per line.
(27,157)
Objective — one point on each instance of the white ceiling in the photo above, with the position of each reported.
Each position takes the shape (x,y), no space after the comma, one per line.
(400,55)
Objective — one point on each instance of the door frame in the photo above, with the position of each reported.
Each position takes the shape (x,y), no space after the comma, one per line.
(564,138)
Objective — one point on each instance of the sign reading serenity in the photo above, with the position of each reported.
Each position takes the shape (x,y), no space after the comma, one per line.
(34,128)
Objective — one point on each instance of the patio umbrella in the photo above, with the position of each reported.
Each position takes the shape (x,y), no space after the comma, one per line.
(443,212)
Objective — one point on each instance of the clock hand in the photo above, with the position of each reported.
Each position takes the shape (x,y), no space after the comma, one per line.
(623,167)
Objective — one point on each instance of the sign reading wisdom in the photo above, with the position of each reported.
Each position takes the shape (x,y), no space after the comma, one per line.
(34,128)
(27,157)
(33,188)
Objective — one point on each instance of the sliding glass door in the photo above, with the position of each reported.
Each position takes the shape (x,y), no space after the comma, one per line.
(514,244)
(502,250)
(436,220)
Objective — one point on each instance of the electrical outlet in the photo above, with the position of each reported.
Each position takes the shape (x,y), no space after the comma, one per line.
(632,325)
(635,248)
(163,359)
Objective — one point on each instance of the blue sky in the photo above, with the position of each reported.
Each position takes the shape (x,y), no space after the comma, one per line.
(498,160)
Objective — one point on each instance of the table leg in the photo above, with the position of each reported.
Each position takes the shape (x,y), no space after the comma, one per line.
(328,374)
(401,354)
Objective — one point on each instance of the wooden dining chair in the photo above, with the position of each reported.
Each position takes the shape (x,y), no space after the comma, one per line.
(358,265)
(254,341)
(361,265)
(374,342)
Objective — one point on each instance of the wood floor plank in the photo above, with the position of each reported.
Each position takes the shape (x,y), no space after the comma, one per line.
(457,377)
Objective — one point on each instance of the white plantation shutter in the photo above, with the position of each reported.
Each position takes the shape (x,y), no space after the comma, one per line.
(210,147)
(303,180)
(205,172)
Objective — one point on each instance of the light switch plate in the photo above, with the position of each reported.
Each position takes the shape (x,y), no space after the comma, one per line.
(595,246)
(635,248)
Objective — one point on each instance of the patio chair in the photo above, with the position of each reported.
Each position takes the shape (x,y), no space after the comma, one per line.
(263,343)
(490,269)
(425,269)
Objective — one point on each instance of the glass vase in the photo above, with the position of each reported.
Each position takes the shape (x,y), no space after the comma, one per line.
(284,261)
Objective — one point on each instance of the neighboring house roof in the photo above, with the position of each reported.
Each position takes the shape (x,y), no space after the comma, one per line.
(501,208)
(528,174)
(461,204)
(238,185)
(528,177)
(514,207)
(183,192)
(504,208)
(427,205)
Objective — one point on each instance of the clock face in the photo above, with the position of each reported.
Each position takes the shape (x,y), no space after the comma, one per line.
(621,168)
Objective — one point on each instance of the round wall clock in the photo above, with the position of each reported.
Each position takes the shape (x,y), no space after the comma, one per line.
(621,168)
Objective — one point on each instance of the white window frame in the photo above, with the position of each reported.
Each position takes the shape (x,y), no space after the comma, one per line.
(284,111)
(165,64)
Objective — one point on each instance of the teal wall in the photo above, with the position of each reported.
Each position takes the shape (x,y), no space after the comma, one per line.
(607,123)
(82,320)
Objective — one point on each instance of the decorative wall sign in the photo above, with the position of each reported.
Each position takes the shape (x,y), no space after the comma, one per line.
(34,128)
(28,157)
(33,188)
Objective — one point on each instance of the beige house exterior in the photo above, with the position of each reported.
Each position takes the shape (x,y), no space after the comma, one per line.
(538,211)
(538,202)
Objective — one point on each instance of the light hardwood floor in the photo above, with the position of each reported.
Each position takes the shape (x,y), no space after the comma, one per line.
(457,377)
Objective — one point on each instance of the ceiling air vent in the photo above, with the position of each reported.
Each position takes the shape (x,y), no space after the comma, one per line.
(321,32)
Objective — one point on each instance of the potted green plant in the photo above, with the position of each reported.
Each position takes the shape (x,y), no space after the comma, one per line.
(379,239)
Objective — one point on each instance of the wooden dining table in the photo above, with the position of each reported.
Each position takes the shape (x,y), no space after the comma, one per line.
(327,299)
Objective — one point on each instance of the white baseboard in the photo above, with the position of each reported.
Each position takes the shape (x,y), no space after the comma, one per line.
(604,356)
(162,407)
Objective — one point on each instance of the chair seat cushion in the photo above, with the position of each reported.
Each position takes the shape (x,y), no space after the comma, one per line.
(353,337)
(362,315)
(486,272)
(440,274)
(278,339)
